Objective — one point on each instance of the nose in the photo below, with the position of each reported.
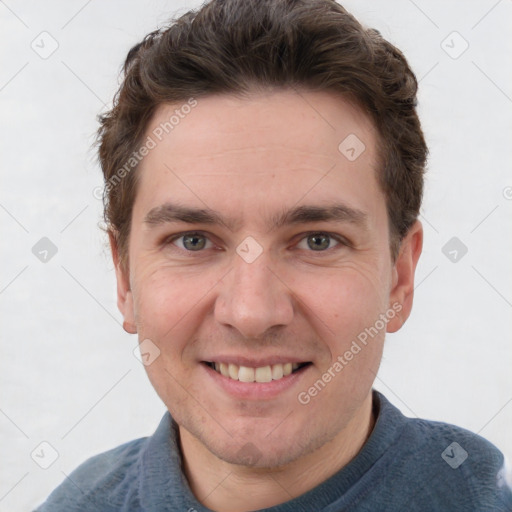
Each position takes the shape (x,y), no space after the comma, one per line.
(253,298)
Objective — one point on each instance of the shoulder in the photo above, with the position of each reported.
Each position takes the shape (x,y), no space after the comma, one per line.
(462,466)
(449,466)
(455,447)
(134,476)
(107,480)
(442,442)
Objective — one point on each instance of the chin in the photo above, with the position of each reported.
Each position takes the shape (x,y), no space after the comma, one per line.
(253,456)
(268,450)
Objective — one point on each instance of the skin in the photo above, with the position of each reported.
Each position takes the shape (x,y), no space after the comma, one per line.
(249,159)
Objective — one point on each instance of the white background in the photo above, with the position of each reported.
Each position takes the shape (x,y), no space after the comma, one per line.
(68,374)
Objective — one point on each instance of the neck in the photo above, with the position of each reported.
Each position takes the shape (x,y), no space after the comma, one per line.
(226,487)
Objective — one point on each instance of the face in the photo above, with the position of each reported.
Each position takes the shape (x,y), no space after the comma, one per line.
(258,248)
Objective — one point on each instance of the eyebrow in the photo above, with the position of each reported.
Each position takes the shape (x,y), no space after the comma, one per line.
(171,212)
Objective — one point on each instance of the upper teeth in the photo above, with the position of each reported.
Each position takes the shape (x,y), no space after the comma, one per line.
(261,374)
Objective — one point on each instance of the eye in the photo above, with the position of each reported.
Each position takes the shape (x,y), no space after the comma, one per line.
(192,242)
(320,242)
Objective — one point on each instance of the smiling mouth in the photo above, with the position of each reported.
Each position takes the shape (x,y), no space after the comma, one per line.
(262,374)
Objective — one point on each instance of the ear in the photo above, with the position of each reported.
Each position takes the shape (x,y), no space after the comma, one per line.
(402,288)
(124,293)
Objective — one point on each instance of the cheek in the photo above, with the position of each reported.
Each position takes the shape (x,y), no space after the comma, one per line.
(165,304)
(346,299)
(347,318)
(167,309)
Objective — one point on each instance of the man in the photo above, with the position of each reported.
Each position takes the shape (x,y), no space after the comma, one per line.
(263,167)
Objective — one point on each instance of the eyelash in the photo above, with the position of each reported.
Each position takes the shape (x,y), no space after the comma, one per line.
(341,241)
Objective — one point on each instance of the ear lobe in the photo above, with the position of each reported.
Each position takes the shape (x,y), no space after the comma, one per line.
(129,318)
(402,291)
(124,293)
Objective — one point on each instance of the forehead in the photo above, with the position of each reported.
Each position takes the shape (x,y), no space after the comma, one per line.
(293,119)
(266,148)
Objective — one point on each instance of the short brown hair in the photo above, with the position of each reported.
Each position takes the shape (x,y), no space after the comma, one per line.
(236,46)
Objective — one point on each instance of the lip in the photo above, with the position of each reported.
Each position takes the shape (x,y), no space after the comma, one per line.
(254,390)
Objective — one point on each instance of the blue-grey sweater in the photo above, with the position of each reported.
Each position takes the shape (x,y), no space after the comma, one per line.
(409,465)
